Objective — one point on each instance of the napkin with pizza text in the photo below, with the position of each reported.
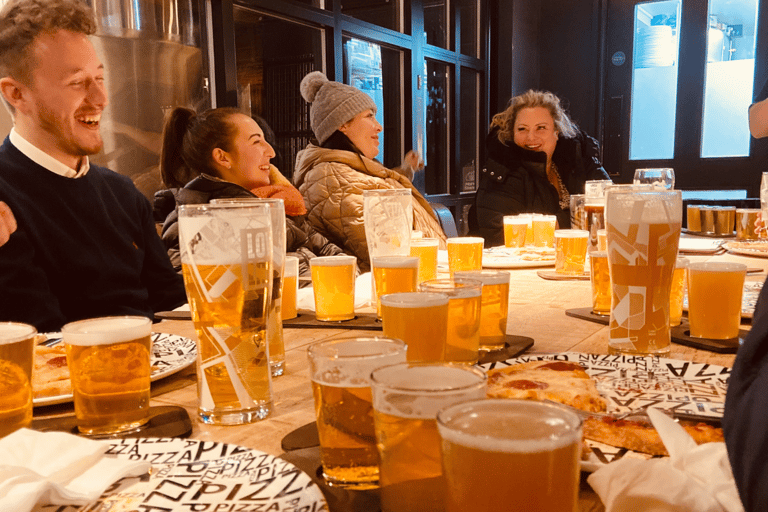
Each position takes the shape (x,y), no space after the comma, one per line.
(695,478)
(57,468)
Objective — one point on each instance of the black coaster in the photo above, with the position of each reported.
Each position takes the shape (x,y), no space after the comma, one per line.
(173,315)
(551,275)
(513,347)
(302,437)
(682,336)
(587,314)
(164,421)
(307,320)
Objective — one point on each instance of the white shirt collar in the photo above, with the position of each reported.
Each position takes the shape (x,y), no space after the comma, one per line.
(45,160)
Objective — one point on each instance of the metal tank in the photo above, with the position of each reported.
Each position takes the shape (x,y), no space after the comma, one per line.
(153,61)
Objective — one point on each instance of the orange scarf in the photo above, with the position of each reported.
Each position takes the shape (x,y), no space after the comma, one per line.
(281,188)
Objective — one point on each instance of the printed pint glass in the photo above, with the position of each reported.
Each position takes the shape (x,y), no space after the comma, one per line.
(510,455)
(226,255)
(677,292)
(108,361)
(406,398)
(340,371)
(643,229)
(17,346)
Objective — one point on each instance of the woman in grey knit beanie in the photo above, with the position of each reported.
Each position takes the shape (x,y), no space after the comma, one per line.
(333,172)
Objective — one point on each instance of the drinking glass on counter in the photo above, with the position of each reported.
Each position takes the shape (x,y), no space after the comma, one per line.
(420,320)
(643,229)
(494,306)
(515,229)
(725,220)
(571,251)
(600,279)
(333,283)
(594,209)
(693,217)
(340,371)
(226,255)
(659,178)
(17,349)
(677,292)
(578,214)
(464,305)
(714,299)
(707,214)
(394,274)
(406,399)
(745,223)
(108,361)
(502,454)
(426,250)
(388,220)
(544,230)
(465,253)
(290,288)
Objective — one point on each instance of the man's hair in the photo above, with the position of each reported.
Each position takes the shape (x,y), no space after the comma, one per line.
(22,21)
(505,121)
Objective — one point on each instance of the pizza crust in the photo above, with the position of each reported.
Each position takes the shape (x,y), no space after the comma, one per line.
(50,376)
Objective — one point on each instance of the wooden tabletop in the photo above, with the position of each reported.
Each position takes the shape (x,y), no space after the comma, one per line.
(537,310)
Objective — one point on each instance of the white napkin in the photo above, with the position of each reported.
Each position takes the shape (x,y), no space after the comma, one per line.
(305,299)
(695,478)
(57,468)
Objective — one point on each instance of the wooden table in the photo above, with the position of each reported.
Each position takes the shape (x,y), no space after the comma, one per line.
(536,310)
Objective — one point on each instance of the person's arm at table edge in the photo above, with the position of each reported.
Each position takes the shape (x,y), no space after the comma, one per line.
(758,119)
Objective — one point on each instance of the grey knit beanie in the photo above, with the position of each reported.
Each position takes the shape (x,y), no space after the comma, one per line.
(333,103)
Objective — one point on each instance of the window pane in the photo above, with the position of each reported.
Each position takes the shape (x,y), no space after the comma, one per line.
(436,23)
(269,70)
(375,70)
(654,80)
(468,20)
(729,79)
(469,119)
(438,108)
(384,13)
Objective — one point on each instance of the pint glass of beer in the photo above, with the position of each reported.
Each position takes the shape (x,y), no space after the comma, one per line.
(406,398)
(693,217)
(725,220)
(643,228)
(17,349)
(495,306)
(600,280)
(226,256)
(465,253)
(519,453)
(515,229)
(276,209)
(333,283)
(529,230)
(340,371)
(677,293)
(571,251)
(426,250)
(420,320)
(745,223)
(394,274)
(108,361)
(544,230)
(464,306)
(714,299)
(707,219)
(290,288)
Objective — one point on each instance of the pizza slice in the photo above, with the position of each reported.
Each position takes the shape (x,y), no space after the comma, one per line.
(50,376)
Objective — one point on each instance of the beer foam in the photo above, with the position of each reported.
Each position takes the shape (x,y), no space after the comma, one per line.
(11,332)
(395,262)
(106,330)
(717,266)
(332,261)
(465,240)
(424,242)
(571,233)
(513,219)
(411,299)
(489,277)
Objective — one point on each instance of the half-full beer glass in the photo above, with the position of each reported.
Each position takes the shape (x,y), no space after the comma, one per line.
(420,320)
(643,229)
(406,398)
(108,361)
(226,254)
(17,346)
(510,455)
(495,306)
(340,371)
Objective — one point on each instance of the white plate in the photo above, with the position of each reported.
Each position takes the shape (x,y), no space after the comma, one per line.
(507,257)
(699,245)
(631,382)
(170,354)
(204,475)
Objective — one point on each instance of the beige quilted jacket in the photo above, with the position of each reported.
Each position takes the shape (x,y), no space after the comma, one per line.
(332,183)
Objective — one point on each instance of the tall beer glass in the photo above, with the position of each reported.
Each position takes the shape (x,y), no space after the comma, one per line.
(226,254)
(643,229)
(340,371)
(394,274)
(108,361)
(420,320)
(465,253)
(464,307)
(274,316)
(426,250)
(510,455)
(406,398)
(333,283)
(17,346)
(495,306)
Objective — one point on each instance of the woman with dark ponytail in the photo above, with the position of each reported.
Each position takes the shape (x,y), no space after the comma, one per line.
(223,153)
